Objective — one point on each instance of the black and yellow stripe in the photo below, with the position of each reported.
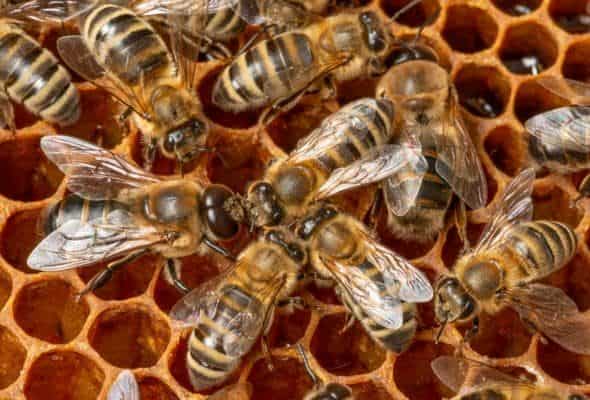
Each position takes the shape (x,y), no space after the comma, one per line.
(33,77)
(227,23)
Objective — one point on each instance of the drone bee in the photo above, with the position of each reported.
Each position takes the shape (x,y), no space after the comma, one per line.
(428,109)
(122,212)
(475,381)
(125,387)
(229,313)
(501,271)
(378,287)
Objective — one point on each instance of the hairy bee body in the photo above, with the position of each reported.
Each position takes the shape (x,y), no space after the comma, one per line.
(331,391)
(226,23)
(32,76)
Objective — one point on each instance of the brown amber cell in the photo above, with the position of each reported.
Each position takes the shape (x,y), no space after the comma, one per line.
(528,48)
(483,91)
(414,17)
(501,335)
(576,64)
(369,391)
(19,236)
(288,379)
(5,287)
(532,99)
(469,29)
(517,8)
(547,200)
(152,388)
(506,148)
(565,366)
(12,357)
(570,15)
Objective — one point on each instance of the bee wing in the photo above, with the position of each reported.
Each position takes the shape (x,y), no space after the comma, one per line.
(237,391)
(78,57)
(286,14)
(551,311)
(400,190)
(571,90)
(381,163)
(93,172)
(565,127)
(125,387)
(76,244)
(48,11)
(515,205)
(457,160)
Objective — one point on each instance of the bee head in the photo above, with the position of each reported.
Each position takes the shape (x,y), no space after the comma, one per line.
(377,40)
(185,141)
(266,209)
(452,302)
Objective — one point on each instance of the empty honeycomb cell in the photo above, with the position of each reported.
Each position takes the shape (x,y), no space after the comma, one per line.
(483,91)
(528,48)
(415,16)
(453,243)
(349,353)
(129,338)
(563,365)
(532,99)
(19,237)
(63,375)
(151,388)
(570,15)
(288,328)
(369,391)
(236,177)
(26,174)
(574,279)
(548,199)
(413,374)
(469,29)
(49,310)
(576,64)
(12,357)
(5,287)
(506,149)
(517,8)
(349,91)
(130,281)
(287,380)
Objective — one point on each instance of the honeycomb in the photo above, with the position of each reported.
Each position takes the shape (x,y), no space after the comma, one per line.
(52,347)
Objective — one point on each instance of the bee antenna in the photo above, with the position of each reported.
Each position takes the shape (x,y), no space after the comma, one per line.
(312,375)
(403,10)
(441,330)
(426,22)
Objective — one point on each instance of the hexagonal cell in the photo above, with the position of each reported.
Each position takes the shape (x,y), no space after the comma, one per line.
(517,8)
(570,15)
(506,148)
(130,281)
(369,391)
(288,328)
(345,353)
(483,91)
(528,48)
(151,388)
(288,379)
(574,279)
(12,357)
(563,365)
(415,16)
(576,64)
(469,29)
(236,177)
(551,199)
(532,99)
(26,174)
(129,337)
(453,243)
(63,375)
(5,287)
(19,237)
(48,310)
(413,374)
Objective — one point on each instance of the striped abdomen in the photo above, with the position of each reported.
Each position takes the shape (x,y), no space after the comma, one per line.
(271,70)
(396,340)
(541,246)
(33,77)
(226,23)
(127,46)
(331,391)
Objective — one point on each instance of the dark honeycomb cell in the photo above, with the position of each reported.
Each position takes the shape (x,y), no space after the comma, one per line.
(325,294)
(547,200)
(236,177)
(517,8)
(19,237)
(528,48)
(532,99)
(129,338)
(151,388)
(453,243)
(288,328)
(416,16)
(570,15)
(563,365)
(26,174)
(469,29)
(49,310)
(130,281)
(576,64)
(574,279)
(63,375)
(483,91)
(369,391)
(350,353)
(12,357)
(5,287)
(177,363)
(288,379)
(506,148)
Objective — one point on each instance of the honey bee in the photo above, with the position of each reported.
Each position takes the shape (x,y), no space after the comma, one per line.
(378,287)
(475,381)
(125,387)
(323,391)
(501,271)
(230,312)
(122,212)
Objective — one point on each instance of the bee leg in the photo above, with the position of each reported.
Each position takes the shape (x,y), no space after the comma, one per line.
(461,224)
(348,323)
(214,246)
(172,268)
(7,111)
(149,154)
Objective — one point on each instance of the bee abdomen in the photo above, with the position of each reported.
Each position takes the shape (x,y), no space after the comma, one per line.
(32,76)
(226,23)
(435,192)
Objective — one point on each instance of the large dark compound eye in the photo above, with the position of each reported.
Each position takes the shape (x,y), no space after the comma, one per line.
(404,54)
(218,219)
(265,196)
(373,31)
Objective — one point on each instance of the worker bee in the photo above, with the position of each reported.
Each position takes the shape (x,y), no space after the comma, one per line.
(428,114)
(323,391)
(560,139)
(278,71)
(230,312)
(475,381)
(378,287)
(125,387)
(501,271)
(123,212)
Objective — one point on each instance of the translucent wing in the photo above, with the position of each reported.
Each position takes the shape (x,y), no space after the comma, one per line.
(54,11)
(378,165)
(237,391)
(78,57)
(286,14)
(125,387)
(565,127)
(76,244)
(457,161)
(575,92)
(515,205)
(93,172)
(401,189)
(551,311)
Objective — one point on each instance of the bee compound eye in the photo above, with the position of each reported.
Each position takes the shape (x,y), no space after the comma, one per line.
(221,223)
